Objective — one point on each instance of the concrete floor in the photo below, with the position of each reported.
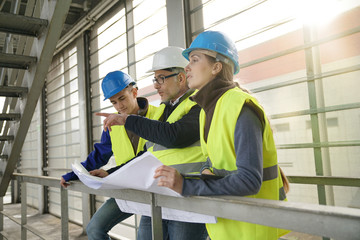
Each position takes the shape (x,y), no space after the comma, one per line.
(47,224)
(50,226)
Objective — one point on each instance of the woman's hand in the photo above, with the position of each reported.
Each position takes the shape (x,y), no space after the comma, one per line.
(99,173)
(207,171)
(169,177)
(113,119)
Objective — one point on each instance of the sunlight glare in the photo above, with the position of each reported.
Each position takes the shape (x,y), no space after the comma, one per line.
(317,12)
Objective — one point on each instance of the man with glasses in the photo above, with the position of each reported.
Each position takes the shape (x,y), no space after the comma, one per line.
(174,139)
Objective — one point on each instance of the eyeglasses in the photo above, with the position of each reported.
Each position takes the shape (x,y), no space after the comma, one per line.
(161,79)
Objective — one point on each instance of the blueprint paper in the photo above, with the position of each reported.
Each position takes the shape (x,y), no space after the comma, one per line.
(139,174)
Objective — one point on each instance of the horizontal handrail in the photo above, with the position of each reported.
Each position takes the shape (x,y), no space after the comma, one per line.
(326,180)
(329,221)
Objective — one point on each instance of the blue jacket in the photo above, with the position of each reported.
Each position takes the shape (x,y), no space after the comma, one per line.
(97,158)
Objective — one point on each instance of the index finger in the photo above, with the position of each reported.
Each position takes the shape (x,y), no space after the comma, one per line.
(162,170)
(102,114)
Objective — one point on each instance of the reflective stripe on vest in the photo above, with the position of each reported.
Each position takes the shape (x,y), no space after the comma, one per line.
(269,173)
(121,145)
(220,149)
(185,160)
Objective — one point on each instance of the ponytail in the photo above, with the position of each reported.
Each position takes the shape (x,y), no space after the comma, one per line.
(285,181)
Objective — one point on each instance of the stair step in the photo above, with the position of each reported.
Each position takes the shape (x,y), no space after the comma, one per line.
(9,116)
(18,24)
(48,33)
(16,61)
(12,91)
(6,138)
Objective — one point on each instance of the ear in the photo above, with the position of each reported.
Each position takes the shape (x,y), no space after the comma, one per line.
(216,68)
(181,77)
(134,92)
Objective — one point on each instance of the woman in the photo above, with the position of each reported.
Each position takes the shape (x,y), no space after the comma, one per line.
(235,137)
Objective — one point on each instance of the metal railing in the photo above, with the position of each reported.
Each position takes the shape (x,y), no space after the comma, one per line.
(329,221)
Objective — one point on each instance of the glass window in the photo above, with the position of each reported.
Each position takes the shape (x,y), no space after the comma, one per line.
(299,57)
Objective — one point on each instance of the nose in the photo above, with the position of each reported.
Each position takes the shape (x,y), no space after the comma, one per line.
(156,85)
(187,68)
(117,106)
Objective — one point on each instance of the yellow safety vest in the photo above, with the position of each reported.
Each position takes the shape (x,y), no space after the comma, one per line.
(121,144)
(221,151)
(186,160)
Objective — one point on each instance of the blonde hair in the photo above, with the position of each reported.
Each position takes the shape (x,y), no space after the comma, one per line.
(285,181)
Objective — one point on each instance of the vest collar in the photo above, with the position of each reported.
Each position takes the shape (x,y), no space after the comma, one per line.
(208,96)
(211,92)
(143,105)
(180,99)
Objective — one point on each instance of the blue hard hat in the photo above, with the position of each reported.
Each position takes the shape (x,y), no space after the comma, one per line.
(114,82)
(218,42)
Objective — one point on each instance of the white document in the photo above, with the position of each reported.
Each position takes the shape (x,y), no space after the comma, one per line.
(167,213)
(139,174)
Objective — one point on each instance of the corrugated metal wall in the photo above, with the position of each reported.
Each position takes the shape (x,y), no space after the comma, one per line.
(31,153)
(62,114)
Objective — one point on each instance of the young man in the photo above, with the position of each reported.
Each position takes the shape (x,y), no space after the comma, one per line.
(119,88)
(174,140)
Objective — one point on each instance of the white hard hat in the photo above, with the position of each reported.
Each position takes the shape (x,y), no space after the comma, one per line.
(169,57)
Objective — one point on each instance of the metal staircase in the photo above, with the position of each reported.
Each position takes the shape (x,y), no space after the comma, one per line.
(28,49)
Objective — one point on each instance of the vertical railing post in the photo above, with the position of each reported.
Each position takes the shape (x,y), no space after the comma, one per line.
(156,219)
(1,217)
(136,225)
(64,214)
(23,209)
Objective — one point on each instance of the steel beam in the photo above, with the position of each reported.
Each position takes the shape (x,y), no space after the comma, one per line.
(175,23)
(130,38)
(1,217)
(23,210)
(324,180)
(156,219)
(85,23)
(64,214)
